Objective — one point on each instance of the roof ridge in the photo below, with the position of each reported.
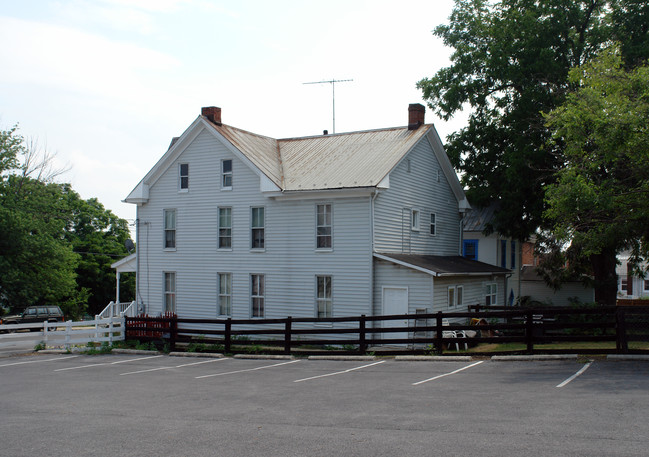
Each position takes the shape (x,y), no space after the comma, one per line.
(297,138)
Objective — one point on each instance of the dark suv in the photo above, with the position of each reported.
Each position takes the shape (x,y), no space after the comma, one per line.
(36,314)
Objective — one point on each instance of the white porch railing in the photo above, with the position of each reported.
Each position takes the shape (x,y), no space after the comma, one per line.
(67,334)
(127,309)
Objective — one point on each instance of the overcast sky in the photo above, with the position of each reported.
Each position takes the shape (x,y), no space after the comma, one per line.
(106,84)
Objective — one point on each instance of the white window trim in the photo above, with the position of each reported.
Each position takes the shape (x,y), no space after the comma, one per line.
(318,300)
(180,178)
(218,228)
(450,302)
(164,229)
(252,249)
(433,225)
(415,219)
(493,289)
(263,297)
(329,249)
(223,174)
(219,294)
(165,293)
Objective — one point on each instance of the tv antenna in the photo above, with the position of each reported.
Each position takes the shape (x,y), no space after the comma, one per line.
(333,95)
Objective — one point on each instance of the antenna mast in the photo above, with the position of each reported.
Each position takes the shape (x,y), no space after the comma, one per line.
(333,95)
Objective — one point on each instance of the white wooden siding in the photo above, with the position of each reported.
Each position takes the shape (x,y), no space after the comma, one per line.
(289,262)
(418,189)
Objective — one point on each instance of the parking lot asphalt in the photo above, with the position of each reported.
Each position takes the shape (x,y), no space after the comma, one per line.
(143,405)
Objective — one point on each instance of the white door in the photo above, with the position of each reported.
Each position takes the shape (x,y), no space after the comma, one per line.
(395,301)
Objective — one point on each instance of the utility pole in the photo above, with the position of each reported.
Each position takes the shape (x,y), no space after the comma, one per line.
(333,95)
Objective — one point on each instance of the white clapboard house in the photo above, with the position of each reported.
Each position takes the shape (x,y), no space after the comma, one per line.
(235,224)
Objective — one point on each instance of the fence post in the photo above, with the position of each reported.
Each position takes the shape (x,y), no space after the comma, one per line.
(110,331)
(439,335)
(173,333)
(362,347)
(228,335)
(45,333)
(621,342)
(529,330)
(287,336)
(68,331)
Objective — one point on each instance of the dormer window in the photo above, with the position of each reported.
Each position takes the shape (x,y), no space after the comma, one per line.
(226,174)
(183,176)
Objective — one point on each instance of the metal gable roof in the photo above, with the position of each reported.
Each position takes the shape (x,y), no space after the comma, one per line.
(347,160)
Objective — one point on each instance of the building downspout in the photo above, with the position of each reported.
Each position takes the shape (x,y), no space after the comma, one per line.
(376,193)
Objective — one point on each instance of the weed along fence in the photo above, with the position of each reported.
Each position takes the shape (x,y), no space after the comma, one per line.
(488,331)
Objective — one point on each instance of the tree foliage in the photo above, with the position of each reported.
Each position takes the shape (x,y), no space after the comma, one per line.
(46,233)
(510,64)
(600,201)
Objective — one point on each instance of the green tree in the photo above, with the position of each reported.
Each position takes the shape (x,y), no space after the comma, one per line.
(36,265)
(99,237)
(54,247)
(510,64)
(599,204)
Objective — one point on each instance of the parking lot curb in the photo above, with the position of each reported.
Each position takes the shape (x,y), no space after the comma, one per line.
(264,357)
(56,351)
(511,358)
(342,357)
(133,351)
(627,357)
(196,354)
(432,358)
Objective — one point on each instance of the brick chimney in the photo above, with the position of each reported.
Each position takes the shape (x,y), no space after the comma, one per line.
(416,114)
(212,113)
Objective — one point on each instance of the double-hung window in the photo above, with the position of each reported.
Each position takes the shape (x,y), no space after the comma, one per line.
(257,227)
(225,228)
(183,176)
(170,292)
(257,291)
(455,296)
(170,229)
(433,224)
(226,174)
(324,302)
(491,293)
(225,294)
(324,239)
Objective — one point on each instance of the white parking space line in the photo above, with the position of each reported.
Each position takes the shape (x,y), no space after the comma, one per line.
(447,374)
(338,372)
(111,363)
(249,369)
(169,368)
(571,378)
(39,361)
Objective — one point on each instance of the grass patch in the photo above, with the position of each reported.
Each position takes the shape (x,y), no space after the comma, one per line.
(563,345)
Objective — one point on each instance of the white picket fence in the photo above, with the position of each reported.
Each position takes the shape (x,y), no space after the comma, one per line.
(67,334)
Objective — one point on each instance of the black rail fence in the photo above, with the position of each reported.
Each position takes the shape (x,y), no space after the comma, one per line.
(483,331)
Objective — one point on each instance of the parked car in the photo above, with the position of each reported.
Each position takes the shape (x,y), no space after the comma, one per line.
(35,314)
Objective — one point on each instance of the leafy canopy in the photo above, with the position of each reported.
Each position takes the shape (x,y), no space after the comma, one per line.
(510,64)
(601,197)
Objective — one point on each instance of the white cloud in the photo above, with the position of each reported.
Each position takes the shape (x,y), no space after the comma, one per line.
(75,61)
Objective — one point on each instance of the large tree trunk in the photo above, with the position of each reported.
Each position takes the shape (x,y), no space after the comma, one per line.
(605,277)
